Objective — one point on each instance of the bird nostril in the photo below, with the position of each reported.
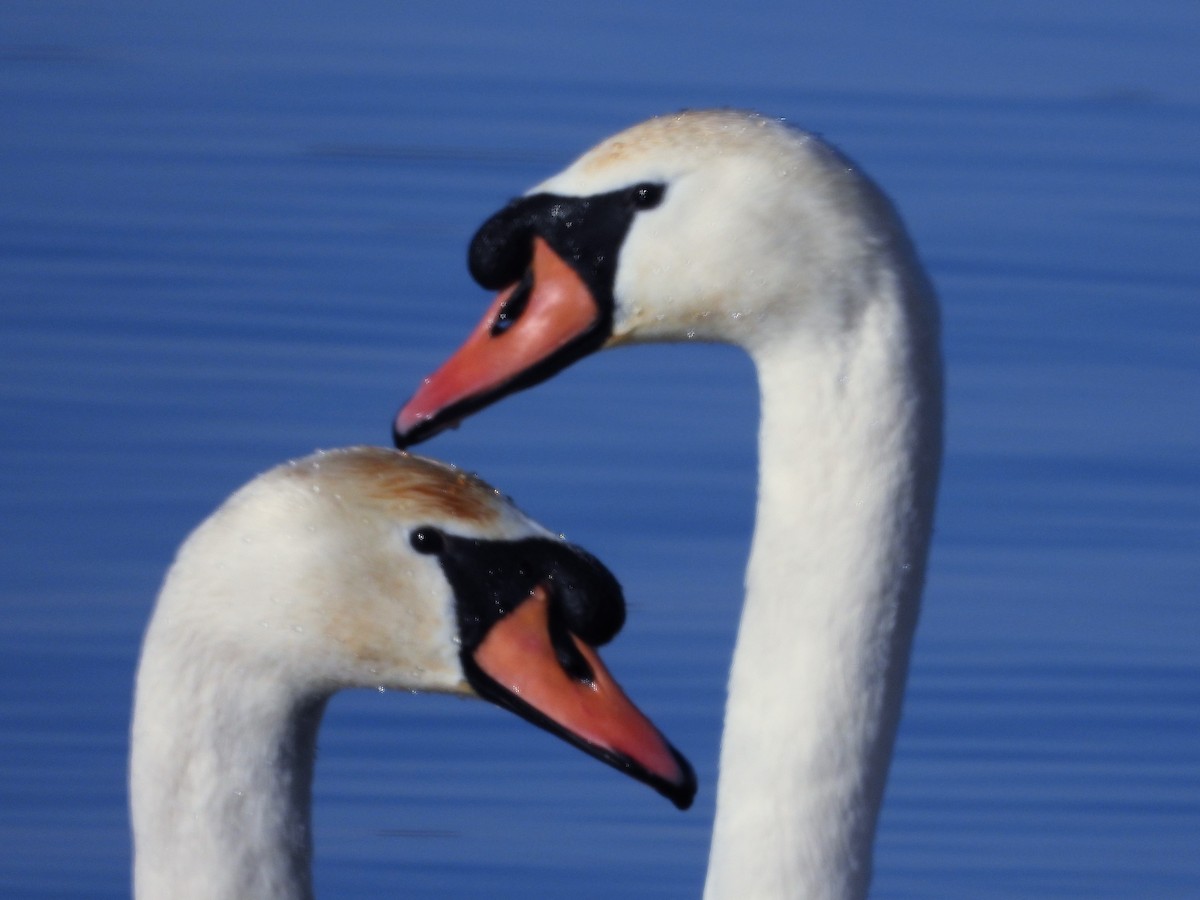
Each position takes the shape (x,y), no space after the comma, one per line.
(513,308)
(565,649)
(572,661)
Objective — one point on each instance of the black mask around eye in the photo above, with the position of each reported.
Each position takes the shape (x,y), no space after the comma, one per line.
(586,232)
(491,577)
(504,592)
(554,261)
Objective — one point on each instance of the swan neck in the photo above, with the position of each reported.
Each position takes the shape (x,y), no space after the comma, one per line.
(221,777)
(849,450)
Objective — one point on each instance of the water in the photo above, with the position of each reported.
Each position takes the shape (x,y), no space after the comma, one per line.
(231,234)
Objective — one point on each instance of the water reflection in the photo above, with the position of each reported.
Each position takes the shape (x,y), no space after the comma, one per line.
(230,239)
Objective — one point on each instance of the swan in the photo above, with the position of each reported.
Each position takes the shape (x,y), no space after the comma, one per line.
(357,567)
(723,225)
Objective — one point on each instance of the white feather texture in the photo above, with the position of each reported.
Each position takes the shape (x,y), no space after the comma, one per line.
(304,582)
(769,239)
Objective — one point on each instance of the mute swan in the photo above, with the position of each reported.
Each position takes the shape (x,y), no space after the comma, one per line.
(359,567)
(728,226)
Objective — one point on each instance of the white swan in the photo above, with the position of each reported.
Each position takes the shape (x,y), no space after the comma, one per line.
(727,226)
(361,567)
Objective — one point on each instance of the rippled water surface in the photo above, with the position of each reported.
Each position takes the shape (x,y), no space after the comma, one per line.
(232,233)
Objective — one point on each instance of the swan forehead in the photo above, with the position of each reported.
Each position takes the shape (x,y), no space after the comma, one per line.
(345,579)
(311,567)
(403,487)
(667,147)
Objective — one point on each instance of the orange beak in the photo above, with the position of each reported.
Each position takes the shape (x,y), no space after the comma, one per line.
(524,673)
(532,330)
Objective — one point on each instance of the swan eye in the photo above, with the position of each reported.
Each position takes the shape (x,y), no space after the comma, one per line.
(427,540)
(647,195)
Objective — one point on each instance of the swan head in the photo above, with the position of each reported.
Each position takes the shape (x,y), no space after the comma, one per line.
(368,567)
(713,225)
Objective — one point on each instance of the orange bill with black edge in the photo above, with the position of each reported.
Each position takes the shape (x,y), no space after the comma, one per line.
(553,260)
(530,613)
(530,322)
(521,671)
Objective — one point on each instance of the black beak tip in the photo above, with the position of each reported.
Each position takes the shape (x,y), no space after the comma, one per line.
(682,794)
(417,433)
(400,440)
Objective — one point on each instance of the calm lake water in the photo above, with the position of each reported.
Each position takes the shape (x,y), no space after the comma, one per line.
(232,233)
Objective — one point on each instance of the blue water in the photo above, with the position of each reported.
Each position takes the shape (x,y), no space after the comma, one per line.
(231,233)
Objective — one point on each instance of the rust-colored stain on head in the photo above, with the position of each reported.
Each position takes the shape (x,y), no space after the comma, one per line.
(413,484)
(718,130)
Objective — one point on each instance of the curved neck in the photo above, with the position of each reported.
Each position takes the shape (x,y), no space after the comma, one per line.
(221,777)
(849,453)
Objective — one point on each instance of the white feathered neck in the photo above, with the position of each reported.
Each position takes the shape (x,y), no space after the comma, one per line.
(303,583)
(770,239)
